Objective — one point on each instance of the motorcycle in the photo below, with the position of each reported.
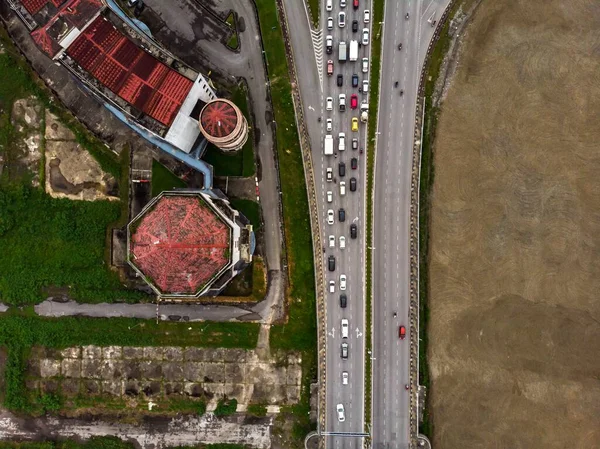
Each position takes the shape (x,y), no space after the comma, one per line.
(396,84)
(406,387)
(406,16)
(401,92)
(400,46)
(361,151)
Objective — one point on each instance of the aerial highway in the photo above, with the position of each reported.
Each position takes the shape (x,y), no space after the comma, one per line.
(408,23)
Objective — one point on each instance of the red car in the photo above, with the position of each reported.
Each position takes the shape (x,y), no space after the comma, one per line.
(353,101)
(402,333)
(330,67)
(355,4)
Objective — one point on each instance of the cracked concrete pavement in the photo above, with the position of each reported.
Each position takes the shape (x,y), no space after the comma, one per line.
(151,433)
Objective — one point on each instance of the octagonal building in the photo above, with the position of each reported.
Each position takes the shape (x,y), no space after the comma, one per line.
(187,244)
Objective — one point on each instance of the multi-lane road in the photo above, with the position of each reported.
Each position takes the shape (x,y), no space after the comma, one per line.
(391,214)
(393,164)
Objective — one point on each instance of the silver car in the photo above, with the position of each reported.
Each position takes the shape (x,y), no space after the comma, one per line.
(340,412)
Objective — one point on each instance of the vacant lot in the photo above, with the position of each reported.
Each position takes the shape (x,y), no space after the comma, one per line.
(515,237)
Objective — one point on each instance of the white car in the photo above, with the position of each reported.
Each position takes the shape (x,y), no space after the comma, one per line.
(332,241)
(341,141)
(365,36)
(342,3)
(365,65)
(342,100)
(340,412)
(329,104)
(365,86)
(345,377)
(329,125)
(331,286)
(329,196)
(367,16)
(342,242)
(330,216)
(345,327)
(342,188)
(342,282)
(330,23)
(342,19)
(329,5)
(329,174)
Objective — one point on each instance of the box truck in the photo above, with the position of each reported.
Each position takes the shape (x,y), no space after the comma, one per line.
(328,148)
(353,50)
(343,50)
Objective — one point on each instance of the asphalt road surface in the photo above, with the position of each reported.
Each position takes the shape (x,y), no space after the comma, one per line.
(395,138)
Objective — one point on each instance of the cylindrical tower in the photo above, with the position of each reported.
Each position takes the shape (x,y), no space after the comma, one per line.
(223,124)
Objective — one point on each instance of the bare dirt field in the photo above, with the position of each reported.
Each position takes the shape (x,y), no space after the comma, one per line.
(515,237)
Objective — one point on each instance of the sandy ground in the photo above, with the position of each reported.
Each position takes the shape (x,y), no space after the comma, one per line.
(515,238)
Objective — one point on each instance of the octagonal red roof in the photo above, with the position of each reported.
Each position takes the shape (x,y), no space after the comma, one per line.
(179,244)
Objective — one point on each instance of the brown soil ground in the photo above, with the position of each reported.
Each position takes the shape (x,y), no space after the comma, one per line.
(515,237)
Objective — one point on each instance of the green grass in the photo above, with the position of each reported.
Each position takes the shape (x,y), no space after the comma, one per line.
(241,163)
(226,407)
(300,332)
(257,410)
(315,8)
(233,41)
(374,78)
(20,331)
(251,209)
(426,183)
(19,81)
(48,242)
(164,179)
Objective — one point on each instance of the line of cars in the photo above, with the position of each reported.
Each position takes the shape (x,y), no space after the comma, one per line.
(336,144)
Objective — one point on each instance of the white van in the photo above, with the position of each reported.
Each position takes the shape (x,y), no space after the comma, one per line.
(342,141)
(342,188)
(345,326)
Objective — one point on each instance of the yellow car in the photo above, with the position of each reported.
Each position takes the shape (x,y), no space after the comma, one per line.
(354,124)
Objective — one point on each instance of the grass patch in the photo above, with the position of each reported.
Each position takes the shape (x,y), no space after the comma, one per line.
(300,332)
(374,78)
(251,209)
(226,407)
(164,179)
(433,69)
(259,282)
(20,81)
(259,410)
(315,8)
(233,42)
(240,163)
(49,242)
(20,331)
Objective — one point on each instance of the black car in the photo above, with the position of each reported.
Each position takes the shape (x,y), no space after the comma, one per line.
(342,169)
(353,230)
(343,301)
(331,263)
(354,163)
(354,26)
(344,350)
(355,80)
(340,80)
(342,214)
(353,184)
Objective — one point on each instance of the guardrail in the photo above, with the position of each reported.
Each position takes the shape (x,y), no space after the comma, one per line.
(415,186)
(314,217)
